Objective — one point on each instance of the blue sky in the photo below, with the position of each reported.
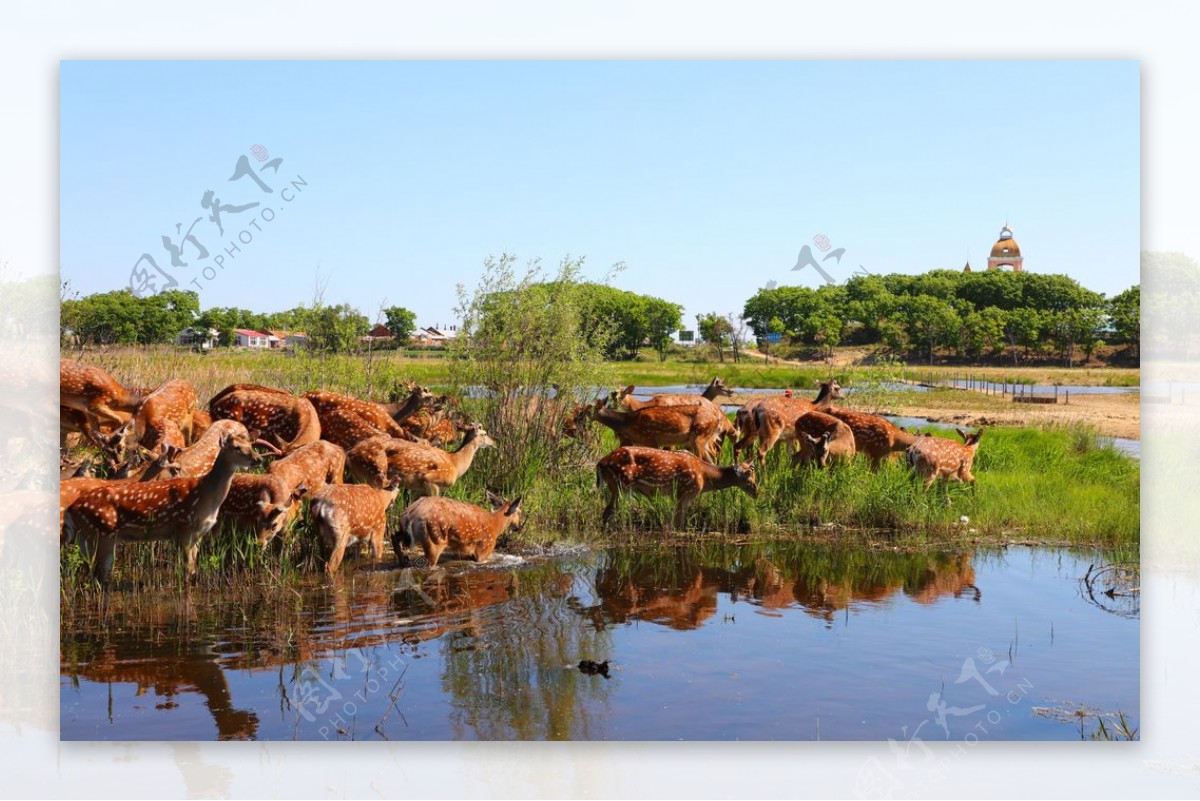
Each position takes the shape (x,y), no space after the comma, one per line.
(704,178)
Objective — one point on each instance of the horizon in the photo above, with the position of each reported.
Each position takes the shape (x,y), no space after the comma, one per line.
(695,175)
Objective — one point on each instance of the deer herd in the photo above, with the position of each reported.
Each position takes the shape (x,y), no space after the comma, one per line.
(176,471)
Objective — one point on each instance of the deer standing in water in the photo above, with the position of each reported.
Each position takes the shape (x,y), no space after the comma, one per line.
(435,524)
(182,510)
(347,514)
(934,458)
(649,471)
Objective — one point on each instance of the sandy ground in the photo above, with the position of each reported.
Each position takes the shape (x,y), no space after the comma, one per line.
(1112,415)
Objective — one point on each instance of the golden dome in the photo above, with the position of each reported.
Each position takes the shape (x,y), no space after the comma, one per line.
(1005,247)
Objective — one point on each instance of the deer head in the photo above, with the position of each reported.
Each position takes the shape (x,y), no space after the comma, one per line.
(970,440)
(512,513)
(745,478)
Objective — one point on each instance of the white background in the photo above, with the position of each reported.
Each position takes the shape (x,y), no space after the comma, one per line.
(33,38)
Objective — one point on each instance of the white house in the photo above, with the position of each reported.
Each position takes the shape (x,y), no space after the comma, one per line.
(245,338)
(204,338)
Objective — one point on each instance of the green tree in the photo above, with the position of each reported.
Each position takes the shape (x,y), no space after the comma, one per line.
(1125,316)
(715,330)
(400,322)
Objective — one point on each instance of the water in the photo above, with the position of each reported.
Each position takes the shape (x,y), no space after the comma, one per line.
(785,640)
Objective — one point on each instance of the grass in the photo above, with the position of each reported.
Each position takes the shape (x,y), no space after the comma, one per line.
(1060,485)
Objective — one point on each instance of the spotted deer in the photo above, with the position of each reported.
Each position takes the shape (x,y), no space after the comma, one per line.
(102,400)
(347,514)
(694,428)
(164,417)
(768,420)
(262,502)
(874,436)
(197,459)
(438,524)
(774,420)
(182,510)
(624,397)
(822,439)
(282,418)
(649,471)
(70,489)
(383,418)
(934,458)
(316,466)
(422,469)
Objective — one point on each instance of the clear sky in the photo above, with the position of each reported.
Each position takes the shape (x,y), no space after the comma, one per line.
(704,178)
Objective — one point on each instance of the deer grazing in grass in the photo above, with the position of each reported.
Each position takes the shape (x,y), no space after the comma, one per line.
(649,471)
(774,419)
(347,514)
(262,502)
(345,420)
(182,510)
(822,439)
(285,420)
(423,469)
(103,402)
(435,524)
(874,436)
(934,458)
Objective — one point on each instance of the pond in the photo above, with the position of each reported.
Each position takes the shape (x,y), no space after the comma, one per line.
(780,640)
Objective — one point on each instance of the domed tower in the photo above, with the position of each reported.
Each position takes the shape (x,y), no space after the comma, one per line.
(1005,252)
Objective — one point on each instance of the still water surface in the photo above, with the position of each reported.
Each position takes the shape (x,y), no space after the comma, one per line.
(784,640)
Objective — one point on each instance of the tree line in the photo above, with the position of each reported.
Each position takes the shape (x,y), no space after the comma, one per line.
(121,318)
(968,314)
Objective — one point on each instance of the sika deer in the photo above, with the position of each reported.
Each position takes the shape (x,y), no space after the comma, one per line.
(346,514)
(95,393)
(197,460)
(316,466)
(774,419)
(822,439)
(934,458)
(182,510)
(423,469)
(648,471)
(262,502)
(164,417)
(385,418)
(715,389)
(436,524)
(873,435)
(284,419)
(692,427)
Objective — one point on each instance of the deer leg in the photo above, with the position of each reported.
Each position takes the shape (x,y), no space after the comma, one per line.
(191,549)
(335,557)
(377,546)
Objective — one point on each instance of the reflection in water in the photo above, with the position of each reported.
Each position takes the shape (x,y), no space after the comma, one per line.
(493,652)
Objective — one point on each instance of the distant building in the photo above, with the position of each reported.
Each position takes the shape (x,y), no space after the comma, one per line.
(1006,253)
(380,333)
(245,338)
(435,336)
(203,338)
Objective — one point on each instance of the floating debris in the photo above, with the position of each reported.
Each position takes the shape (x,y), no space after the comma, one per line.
(590,668)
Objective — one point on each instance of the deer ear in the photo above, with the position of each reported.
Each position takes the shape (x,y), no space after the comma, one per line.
(494,499)
(828,436)
(299,492)
(965,436)
(513,508)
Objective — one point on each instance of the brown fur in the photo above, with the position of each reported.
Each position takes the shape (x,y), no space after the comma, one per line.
(770,419)
(648,471)
(100,397)
(936,458)
(435,524)
(287,421)
(343,417)
(262,502)
(315,466)
(822,439)
(164,417)
(423,469)
(875,437)
(182,510)
(695,427)
(346,514)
